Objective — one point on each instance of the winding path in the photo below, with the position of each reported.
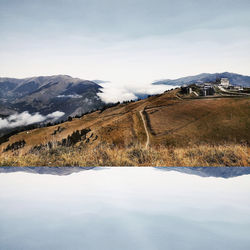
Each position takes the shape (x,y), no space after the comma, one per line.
(146,129)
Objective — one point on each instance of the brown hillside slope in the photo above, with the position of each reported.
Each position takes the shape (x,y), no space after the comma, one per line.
(172,122)
(120,125)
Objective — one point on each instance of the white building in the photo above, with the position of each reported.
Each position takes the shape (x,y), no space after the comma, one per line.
(224,82)
(238,87)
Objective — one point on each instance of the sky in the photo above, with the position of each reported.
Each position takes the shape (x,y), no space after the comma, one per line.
(129,43)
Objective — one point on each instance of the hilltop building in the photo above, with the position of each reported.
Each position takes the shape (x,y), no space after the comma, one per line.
(186,89)
(204,89)
(224,82)
(238,88)
(207,89)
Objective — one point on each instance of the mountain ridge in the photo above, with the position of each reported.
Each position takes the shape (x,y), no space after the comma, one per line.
(47,94)
(234,78)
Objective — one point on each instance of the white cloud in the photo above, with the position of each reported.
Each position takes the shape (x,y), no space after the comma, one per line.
(112,92)
(55,115)
(69,96)
(25,118)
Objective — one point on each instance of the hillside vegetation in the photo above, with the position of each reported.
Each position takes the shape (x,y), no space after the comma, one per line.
(182,131)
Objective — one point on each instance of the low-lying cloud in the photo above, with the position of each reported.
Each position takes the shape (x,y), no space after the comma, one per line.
(69,96)
(25,118)
(112,93)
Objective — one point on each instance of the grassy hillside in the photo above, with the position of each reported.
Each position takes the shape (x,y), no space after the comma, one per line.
(182,131)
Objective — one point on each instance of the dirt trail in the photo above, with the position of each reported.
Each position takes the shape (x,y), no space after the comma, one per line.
(146,129)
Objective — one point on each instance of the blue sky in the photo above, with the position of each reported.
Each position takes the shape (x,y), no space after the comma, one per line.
(127,42)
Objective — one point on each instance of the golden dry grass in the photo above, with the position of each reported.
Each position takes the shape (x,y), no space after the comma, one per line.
(196,121)
(107,155)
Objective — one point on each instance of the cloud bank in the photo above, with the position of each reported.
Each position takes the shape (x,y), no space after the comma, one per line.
(25,118)
(112,93)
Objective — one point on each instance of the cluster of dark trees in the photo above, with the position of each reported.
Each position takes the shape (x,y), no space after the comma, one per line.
(127,102)
(75,137)
(167,91)
(58,130)
(109,105)
(15,145)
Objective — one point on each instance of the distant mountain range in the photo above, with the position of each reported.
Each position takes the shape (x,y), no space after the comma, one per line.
(235,79)
(46,94)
